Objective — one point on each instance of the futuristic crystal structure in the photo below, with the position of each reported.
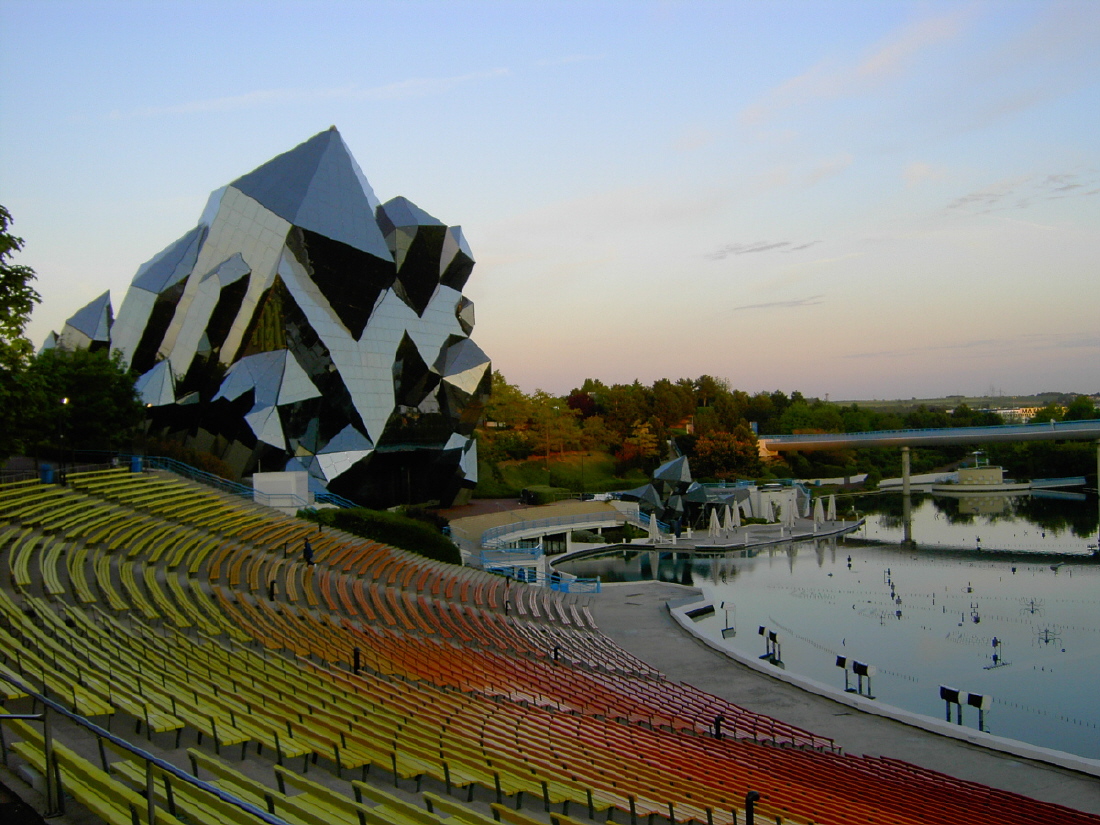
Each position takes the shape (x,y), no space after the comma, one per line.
(304,325)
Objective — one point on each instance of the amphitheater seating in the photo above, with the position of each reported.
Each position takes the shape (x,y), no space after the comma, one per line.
(93,788)
(383,666)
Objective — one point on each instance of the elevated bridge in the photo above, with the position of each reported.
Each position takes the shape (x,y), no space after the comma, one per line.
(1054,431)
(1051,431)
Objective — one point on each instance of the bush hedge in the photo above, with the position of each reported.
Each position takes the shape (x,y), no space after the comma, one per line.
(388,528)
(543,494)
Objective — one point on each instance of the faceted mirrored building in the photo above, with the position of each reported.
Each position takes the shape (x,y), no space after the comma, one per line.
(302,324)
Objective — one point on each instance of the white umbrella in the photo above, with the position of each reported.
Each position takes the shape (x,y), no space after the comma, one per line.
(654,529)
(770,510)
(819,512)
(714,527)
(792,506)
(832,508)
(727,519)
(737,515)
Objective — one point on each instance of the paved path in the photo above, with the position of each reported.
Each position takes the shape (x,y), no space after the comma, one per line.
(634,615)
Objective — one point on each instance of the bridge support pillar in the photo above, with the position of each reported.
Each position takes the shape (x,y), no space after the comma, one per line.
(906,499)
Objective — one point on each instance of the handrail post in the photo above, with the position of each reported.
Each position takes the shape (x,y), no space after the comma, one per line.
(54,805)
(150,795)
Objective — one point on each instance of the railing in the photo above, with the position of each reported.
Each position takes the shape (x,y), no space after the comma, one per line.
(157,462)
(331,498)
(560,582)
(1001,432)
(645,518)
(234,487)
(494,536)
(1069,481)
(564,583)
(506,557)
(53,773)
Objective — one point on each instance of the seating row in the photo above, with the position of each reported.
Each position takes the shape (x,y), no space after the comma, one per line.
(373,660)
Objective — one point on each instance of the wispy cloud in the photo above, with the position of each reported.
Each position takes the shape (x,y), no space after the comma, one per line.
(399,90)
(826,80)
(1022,192)
(802,246)
(794,303)
(758,246)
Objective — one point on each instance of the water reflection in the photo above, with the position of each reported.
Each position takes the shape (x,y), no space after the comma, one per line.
(1051,522)
(963,607)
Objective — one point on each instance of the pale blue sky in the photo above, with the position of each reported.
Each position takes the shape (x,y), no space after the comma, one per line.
(865,199)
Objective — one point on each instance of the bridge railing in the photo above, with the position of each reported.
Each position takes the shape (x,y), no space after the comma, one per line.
(1068,429)
(494,537)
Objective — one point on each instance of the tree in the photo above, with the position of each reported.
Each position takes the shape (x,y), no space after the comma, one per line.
(672,403)
(707,388)
(583,402)
(508,406)
(82,400)
(17,299)
(595,434)
(553,424)
(1051,412)
(1081,409)
(641,449)
(725,456)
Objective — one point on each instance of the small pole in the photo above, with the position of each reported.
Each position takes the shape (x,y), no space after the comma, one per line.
(750,802)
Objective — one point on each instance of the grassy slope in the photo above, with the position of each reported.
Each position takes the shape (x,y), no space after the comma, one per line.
(588,472)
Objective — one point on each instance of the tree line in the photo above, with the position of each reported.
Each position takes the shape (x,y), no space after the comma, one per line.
(717,426)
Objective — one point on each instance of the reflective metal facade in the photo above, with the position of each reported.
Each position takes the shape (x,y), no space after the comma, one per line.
(302,324)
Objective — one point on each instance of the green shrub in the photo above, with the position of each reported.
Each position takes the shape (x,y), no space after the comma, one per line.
(388,528)
(543,494)
(588,537)
(624,534)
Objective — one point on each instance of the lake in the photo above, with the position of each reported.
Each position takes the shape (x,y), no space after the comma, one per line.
(926,615)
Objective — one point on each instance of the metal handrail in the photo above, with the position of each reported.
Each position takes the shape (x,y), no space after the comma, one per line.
(166,767)
(1058,429)
(235,487)
(555,521)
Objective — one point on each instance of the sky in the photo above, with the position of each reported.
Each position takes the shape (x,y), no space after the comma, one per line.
(850,199)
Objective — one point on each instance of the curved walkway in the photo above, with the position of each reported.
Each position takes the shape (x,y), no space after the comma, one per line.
(635,616)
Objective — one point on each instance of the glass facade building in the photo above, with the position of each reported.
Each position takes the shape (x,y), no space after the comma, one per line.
(302,324)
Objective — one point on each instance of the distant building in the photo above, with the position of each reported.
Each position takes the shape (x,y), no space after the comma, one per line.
(302,324)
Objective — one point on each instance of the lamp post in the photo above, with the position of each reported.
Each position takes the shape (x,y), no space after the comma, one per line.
(63,430)
(145,429)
